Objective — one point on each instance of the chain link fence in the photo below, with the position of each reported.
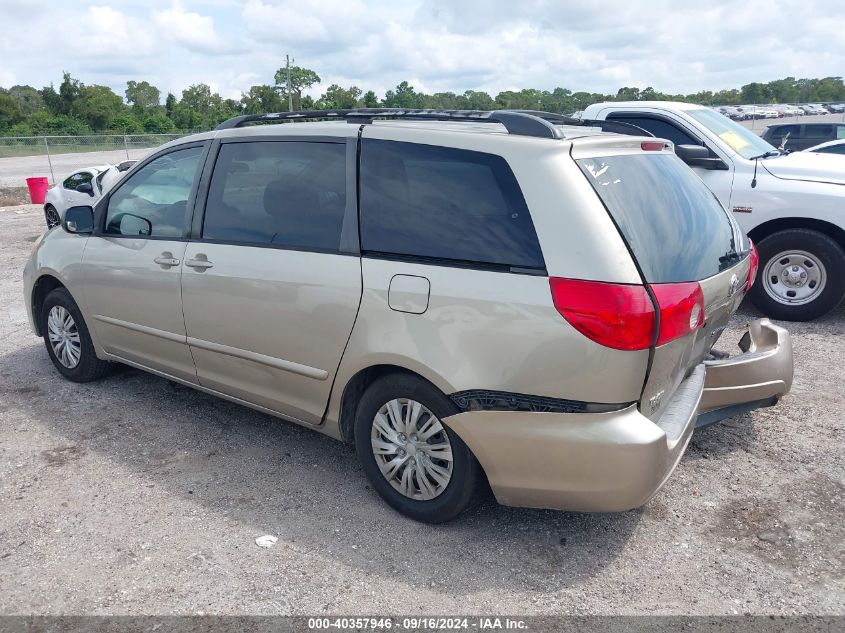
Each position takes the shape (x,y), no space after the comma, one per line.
(104,148)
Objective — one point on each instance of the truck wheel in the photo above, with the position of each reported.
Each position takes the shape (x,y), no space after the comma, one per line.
(801,275)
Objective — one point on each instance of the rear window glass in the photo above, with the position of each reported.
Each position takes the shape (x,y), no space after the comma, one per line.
(444,203)
(673,224)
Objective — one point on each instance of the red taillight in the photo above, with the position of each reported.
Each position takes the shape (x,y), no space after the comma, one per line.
(652,146)
(681,309)
(753,264)
(615,315)
(621,316)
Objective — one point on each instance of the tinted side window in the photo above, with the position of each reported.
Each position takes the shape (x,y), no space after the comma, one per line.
(778,132)
(444,203)
(820,132)
(660,128)
(72,182)
(840,131)
(834,149)
(154,201)
(287,193)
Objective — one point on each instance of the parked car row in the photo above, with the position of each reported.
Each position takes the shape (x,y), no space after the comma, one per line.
(776,111)
(415,288)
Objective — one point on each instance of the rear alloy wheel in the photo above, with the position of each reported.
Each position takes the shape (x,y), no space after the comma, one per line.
(801,275)
(413,460)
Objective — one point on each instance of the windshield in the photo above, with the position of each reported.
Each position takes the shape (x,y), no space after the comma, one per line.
(741,140)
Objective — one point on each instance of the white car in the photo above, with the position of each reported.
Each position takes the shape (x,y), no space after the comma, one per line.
(831,147)
(790,205)
(82,187)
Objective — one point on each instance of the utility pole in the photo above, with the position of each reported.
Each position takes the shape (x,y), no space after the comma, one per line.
(288,60)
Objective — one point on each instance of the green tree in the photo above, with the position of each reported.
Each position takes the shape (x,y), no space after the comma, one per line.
(142,96)
(753,93)
(261,99)
(10,110)
(28,98)
(403,97)
(336,97)
(301,79)
(97,106)
(199,108)
(126,123)
(52,100)
(170,104)
(158,123)
(69,91)
(370,99)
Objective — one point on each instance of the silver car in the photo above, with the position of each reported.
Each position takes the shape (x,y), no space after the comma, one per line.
(463,296)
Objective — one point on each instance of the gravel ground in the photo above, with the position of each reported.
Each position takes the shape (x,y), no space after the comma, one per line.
(136,496)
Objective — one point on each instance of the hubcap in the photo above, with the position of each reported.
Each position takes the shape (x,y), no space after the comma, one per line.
(794,277)
(412,449)
(64,337)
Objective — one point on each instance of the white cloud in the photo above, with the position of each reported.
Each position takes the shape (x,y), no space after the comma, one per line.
(186,28)
(438,45)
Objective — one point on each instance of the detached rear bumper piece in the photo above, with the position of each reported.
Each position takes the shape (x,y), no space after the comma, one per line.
(757,378)
(593,462)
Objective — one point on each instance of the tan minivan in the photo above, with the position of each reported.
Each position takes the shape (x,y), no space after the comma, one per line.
(465,296)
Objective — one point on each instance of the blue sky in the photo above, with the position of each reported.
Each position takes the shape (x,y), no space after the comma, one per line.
(437,45)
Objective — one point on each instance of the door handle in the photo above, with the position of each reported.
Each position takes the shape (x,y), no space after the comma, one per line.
(166,260)
(199,263)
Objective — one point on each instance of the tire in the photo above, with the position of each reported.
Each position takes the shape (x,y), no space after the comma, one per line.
(814,258)
(461,487)
(52,216)
(75,344)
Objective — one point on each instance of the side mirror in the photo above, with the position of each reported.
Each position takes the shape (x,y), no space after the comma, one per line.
(79,220)
(698,156)
(86,187)
(131,224)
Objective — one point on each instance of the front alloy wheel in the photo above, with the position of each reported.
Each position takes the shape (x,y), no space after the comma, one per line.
(64,336)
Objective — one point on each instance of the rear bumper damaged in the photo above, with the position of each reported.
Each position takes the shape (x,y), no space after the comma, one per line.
(756,378)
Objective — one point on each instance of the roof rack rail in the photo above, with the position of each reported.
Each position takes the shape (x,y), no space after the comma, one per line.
(517,122)
(617,127)
(520,123)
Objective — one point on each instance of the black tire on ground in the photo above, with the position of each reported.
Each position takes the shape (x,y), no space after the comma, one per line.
(822,247)
(89,366)
(51,216)
(463,488)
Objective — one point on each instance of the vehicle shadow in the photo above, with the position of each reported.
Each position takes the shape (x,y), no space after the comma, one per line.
(303,487)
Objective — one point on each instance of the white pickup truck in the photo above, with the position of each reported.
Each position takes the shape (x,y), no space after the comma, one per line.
(792,206)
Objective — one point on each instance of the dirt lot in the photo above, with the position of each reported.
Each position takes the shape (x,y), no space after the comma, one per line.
(134,496)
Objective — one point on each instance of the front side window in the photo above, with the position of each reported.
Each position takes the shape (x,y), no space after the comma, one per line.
(660,128)
(289,194)
(445,204)
(154,201)
(833,149)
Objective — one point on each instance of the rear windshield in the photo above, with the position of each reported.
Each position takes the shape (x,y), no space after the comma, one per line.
(672,222)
